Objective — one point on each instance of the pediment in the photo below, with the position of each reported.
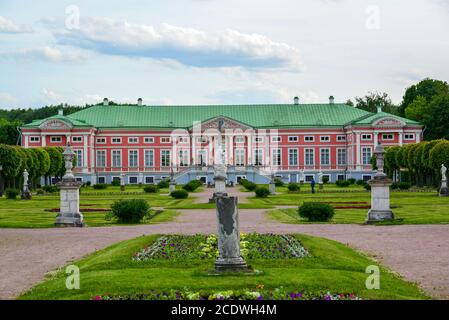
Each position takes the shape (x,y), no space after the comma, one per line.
(226,124)
(56,124)
(388,122)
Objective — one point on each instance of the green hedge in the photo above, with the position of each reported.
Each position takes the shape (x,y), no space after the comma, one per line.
(316,211)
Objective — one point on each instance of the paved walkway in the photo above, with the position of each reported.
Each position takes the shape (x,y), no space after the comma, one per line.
(418,252)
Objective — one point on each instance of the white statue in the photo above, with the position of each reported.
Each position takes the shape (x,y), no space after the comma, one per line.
(25,178)
(301,175)
(320,177)
(443,173)
(219,167)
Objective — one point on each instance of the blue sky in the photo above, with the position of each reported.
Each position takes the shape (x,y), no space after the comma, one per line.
(216,51)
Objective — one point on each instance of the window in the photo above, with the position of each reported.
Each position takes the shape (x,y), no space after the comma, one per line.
(292,157)
(341,138)
(309,157)
(165,158)
(133,140)
(258,139)
(149,158)
(201,140)
(340,177)
(132,180)
(116,158)
(79,158)
(183,157)
(309,138)
(101,158)
(133,158)
(409,136)
(201,158)
(292,139)
(366,155)
(116,179)
(101,180)
(341,157)
(149,180)
(366,178)
(367,136)
(55,139)
(276,157)
(148,140)
(325,157)
(258,157)
(116,140)
(309,178)
(77,139)
(240,139)
(325,138)
(183,140)
(101,140)
(239,157)
(165,139)
(35,139)
(388,136)
(275,139)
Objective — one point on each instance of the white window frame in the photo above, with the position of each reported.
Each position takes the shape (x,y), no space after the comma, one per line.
(77,139)
(145,179)
(165,140)
(237,156)
(311,138)
(276,160)
(183,139)
(293,138)
(387,138)
(148,164)
(118,140)
(411,136)
(100,178)
(35,139)
(55,139)
(258,139)
(79,159)
(163,151)
(148,140)
(201,153)
(240,139)
(325,138)
(100,140)
(184,153)
(129,180)
(328,156)
(367,137)
(202,139)
(276,139)
(341,138)
(306,162)
(129,158)
(119,152)
(368,160)
(133,140)
(96,158)
(297,157)
(345,156)
(255,152)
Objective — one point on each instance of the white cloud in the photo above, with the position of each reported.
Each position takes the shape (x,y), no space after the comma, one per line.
(51,54)
(8,26)
(188,46)
(7,100)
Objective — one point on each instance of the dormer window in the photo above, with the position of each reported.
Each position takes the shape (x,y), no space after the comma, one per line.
(56,139)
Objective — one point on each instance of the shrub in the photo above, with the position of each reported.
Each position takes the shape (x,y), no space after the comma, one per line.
(50,189)
(343,183)
(11,193)
(115,183)
(40,191)
(100,186)
(360,182)
(325,179)
(351,180)
(192,185)
(366,186)
(316,211)
(278,182)
(88,183)
(248,185)
(163,184)
(292,186)
(179,194)
(262,192)
(130,210)
(404,185)
(151,188)
(394,186)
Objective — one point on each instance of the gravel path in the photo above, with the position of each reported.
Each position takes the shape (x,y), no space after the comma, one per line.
(418,252)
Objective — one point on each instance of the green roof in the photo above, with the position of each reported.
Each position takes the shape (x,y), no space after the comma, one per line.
(374,116)
(257,116)
(75,122)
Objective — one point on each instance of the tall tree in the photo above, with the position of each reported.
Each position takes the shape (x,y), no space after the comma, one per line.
(436,118)
(372,100)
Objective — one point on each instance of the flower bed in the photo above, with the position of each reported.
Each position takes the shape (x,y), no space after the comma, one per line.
(253,246)
(245,294)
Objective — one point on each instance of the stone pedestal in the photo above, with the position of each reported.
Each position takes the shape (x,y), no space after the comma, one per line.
(380,200)
(26,194)
(69,215)
(229,259)
(272,187)
(320,186)
(444,191)
(171,187)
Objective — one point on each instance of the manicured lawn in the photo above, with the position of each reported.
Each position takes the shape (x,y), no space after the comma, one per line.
(408,207)
(332,267)
(32,214)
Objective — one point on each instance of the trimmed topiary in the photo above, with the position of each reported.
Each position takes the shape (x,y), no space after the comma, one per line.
(367,186)
(248,185)
(262,192)
(50,189)
(163,184)
(11,193)
(293,187)
(278,182)
(360,182)
(404,185)
(100,186)
(151,188)
(115,183)
(179,194)
(343,183)
(130,210)
(192,185)
(316,211)
(351,180)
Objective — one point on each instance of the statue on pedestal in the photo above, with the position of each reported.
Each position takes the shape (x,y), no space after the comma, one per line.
(320,180)
(26,194)
(444,192)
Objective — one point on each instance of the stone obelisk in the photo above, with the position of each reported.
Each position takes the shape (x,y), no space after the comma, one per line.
(69,214)
(380,191)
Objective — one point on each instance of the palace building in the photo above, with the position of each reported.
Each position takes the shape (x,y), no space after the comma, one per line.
(145,143)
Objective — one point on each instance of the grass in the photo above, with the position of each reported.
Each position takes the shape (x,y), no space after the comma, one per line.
(333,267)
(408,207)
(32,214)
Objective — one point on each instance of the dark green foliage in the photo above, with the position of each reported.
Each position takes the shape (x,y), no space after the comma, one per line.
(374,99)
(151,188)
(115,183)
(278,182)
(293,186)
(8,132)
(316,211)
(360,182)
(404,185)
(192,185)
(262,192)
(248,185)
(351,180)
(366,186)
(343,183)
(179,194)
(100,186)
(163,184)
(11,193)
(130,210)
(439,155)
(325,179)
(50,189)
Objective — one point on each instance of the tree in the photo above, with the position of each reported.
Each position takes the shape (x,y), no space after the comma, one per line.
(44,162)
(56,161)
(11,162)
(439,155)
(436,118)
(8,131)
(371,101)
(417,109)
(427,88)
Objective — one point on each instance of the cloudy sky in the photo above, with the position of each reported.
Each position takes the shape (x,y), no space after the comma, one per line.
(217,51)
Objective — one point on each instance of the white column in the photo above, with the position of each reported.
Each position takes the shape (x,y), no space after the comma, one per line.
(400,138)
(25,142)
(85,152)
(249,151)
(92,150)
(376,138)
(44,139)
(231,149)
(358,156)
(418,137)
